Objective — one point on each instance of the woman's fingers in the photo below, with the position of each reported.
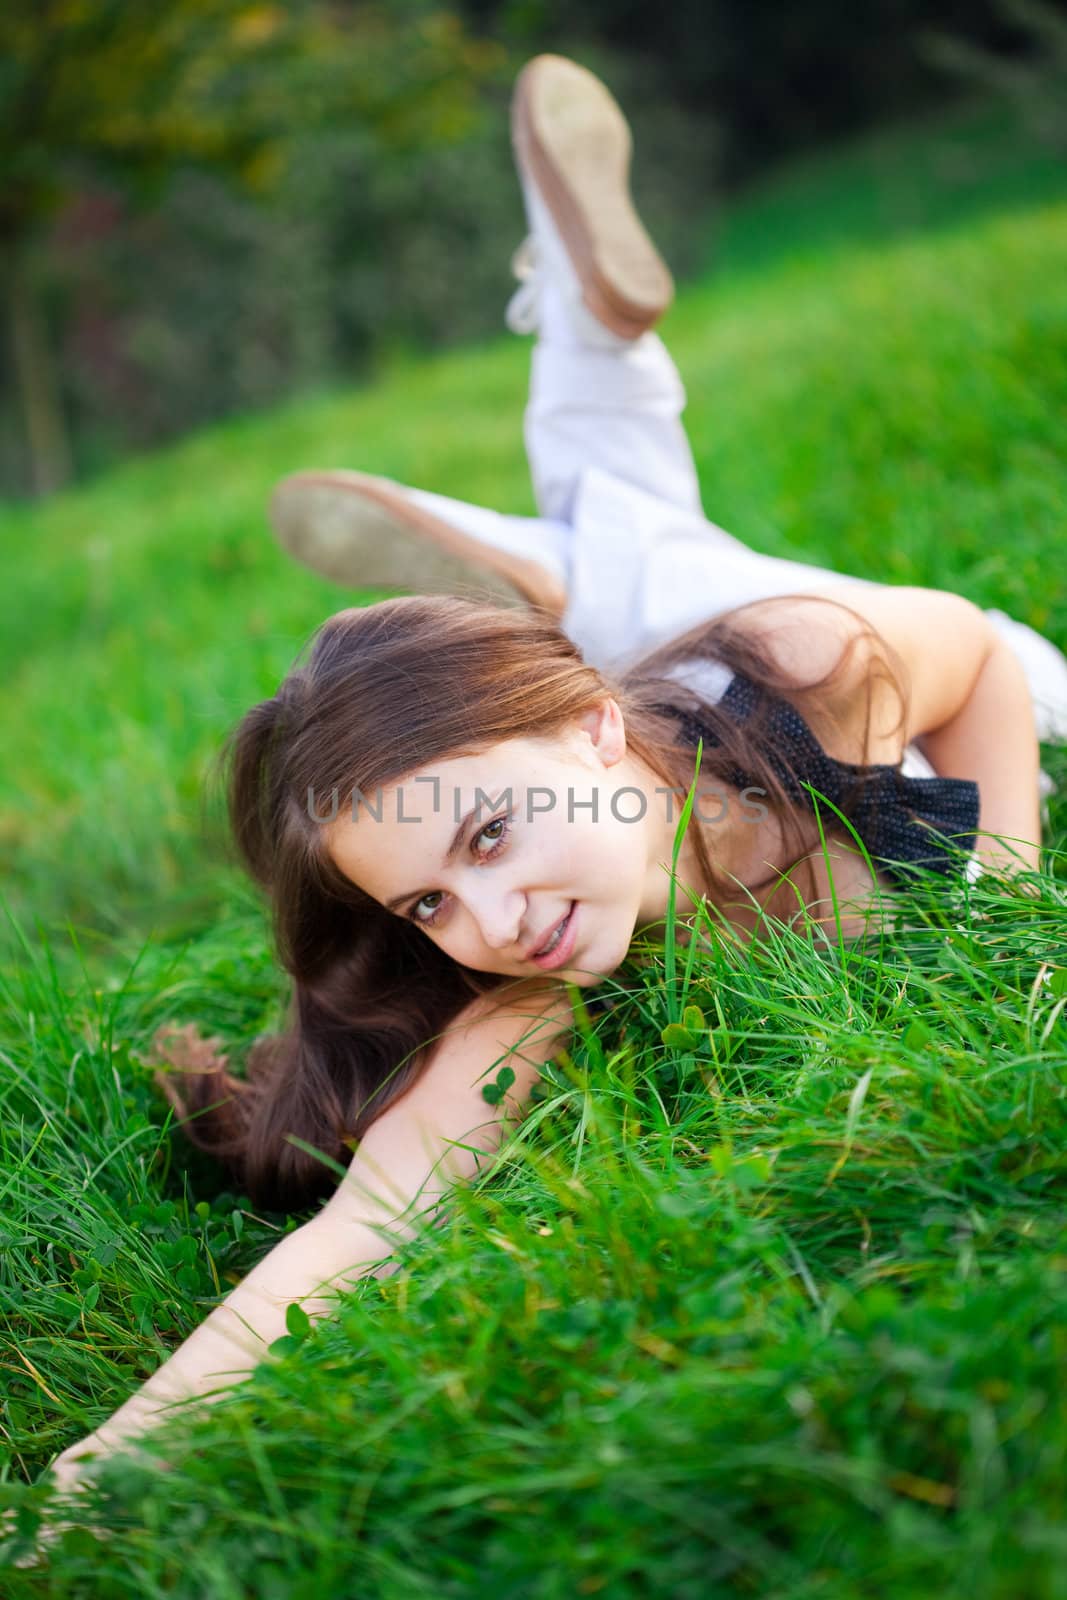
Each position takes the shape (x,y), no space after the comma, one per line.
(48,1532)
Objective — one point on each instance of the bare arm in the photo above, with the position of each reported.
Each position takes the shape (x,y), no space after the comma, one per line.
(969,705)
(993,739)
(970,709)
(442,1130)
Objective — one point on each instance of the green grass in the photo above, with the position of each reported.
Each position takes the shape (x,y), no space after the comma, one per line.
(777,1310)
(920,177)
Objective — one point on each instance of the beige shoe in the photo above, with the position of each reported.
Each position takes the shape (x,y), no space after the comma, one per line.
(370,533)
(573,147)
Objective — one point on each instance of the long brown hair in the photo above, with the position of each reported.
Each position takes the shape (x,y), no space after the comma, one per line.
(386,690)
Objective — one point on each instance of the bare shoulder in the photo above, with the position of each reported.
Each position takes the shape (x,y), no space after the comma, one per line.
(443,1126)
(533,1005)
(933,642)
(520,1025)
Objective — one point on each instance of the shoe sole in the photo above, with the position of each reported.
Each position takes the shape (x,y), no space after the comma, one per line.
(570,135)
(363,531)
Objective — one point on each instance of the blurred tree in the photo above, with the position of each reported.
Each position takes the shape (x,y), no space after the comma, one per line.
(208,204)
(217,299)
(1034,81)
(107,92)
(778,76)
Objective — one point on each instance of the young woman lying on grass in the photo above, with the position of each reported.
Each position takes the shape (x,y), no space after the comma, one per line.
(463,812)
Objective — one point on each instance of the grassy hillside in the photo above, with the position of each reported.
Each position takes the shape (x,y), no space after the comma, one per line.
(780,1310)
(894,412)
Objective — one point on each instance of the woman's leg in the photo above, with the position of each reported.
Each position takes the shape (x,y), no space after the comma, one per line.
(604,393)
(606,445)
(622,548)
(614,409)
(370,532)
(603,423)
(607,449)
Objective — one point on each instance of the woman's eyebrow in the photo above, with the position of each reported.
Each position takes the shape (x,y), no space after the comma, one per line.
(457,840)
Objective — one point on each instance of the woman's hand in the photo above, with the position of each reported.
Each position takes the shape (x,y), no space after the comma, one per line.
(71,1468)
(65,1477)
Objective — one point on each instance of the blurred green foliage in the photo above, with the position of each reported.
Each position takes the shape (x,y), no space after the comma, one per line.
(1036,82)
(108,111)
(214,204)
(780,77)
(219,204)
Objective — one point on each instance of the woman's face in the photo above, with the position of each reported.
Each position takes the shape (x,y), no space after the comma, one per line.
(489,853)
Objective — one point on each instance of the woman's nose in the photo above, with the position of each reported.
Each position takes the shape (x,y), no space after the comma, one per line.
(498,914)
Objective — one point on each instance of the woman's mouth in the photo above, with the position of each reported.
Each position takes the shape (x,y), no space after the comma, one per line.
(556,951)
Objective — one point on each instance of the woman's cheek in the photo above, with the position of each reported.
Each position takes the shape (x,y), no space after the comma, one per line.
(572,853)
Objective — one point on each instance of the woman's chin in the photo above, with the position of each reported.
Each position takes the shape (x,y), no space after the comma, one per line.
(597,965)
(583,979)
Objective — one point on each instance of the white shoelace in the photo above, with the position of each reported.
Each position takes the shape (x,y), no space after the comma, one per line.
(543,278)
(523,313)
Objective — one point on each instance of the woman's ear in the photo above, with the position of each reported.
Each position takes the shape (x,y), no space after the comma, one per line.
(606,730)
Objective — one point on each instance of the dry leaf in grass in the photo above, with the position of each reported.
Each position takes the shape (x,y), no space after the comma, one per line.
(181,1048)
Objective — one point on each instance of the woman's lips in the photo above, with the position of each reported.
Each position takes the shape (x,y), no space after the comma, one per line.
(562,952)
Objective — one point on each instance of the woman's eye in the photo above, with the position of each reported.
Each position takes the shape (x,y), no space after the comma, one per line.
(498,839)
(414,913)
(495,839)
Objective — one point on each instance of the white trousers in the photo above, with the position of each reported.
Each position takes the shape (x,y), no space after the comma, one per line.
(620,510)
